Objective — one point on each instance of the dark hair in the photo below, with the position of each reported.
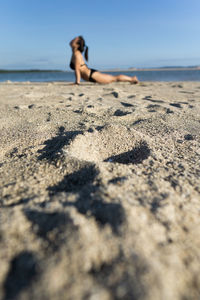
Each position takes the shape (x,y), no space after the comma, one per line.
(82,45)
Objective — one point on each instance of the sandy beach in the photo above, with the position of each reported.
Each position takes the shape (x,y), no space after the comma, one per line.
(100,191)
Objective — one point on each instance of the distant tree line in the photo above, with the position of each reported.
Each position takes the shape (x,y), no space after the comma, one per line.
(27,71)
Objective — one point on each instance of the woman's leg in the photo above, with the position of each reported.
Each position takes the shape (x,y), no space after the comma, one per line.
(126,78)
(107,78)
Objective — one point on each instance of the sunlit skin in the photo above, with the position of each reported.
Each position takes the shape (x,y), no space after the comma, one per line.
(82,70)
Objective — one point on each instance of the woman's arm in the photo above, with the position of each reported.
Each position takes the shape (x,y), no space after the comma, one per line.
(78,75)
(77,62)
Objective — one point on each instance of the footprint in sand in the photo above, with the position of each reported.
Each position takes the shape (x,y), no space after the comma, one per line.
(158,108)
(78,111)
(118,180)
(121,113)
(149,98)
(178,105)
(23,271)
(53,147)
(169,111)
(31,106)
(51,222)
(189,137)
(131,96)
(114,94)
(125,104)
(183,102)
(49,117)
(177,85)
(111,144)
(138,121)
(153,107)
(134,156)
(82,183)
(186,92)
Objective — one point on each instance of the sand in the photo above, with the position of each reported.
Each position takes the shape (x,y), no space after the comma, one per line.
(100,191)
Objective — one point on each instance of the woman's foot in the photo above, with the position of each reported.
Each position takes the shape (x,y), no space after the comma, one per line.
(134,80)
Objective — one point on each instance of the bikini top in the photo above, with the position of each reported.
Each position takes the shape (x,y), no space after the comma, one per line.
(72,65)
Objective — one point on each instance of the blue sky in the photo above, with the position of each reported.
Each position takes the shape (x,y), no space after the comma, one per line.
(129,33)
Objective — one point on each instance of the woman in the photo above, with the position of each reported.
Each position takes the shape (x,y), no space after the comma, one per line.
(82,71)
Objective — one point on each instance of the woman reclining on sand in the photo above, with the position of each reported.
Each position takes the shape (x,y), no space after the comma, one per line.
(82,71)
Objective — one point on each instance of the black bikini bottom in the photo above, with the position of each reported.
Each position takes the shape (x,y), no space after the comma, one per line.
(90,77)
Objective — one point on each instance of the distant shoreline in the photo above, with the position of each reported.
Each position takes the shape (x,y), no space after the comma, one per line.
(106,70)
(28,71)
(153,69)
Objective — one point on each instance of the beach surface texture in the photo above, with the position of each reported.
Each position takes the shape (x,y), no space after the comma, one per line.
(100,191)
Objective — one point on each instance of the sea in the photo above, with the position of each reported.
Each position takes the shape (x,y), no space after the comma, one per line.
(143,75)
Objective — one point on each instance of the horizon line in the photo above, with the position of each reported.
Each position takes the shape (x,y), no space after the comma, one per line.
(197,67)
